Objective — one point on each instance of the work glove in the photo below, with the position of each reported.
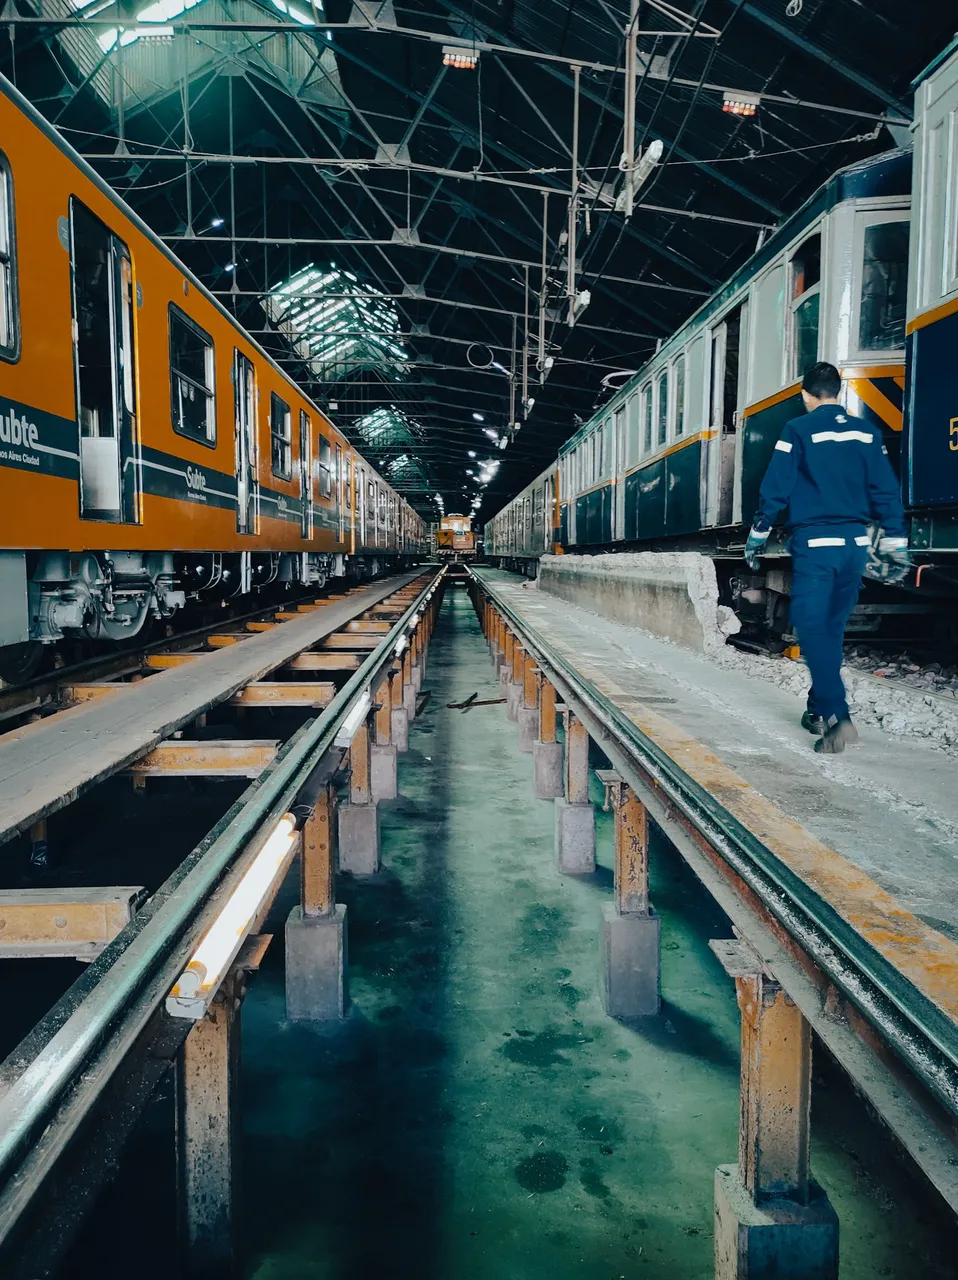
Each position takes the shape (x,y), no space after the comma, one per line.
(755,545)
(889,560)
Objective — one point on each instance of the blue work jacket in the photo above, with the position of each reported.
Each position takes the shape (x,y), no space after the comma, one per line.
(830,468)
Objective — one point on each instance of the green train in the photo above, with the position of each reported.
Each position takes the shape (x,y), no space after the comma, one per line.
(864,275)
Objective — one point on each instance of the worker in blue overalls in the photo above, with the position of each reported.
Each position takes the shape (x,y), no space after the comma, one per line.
(832,473)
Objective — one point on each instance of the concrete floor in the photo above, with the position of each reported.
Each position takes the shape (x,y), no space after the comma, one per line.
(478,1117)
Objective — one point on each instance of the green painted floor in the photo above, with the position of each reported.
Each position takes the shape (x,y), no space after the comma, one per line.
(478,1117)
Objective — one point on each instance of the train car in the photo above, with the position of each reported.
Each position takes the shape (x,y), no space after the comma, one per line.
(931,402)
(527,527)
(675,459)
(150,451)
(455,538)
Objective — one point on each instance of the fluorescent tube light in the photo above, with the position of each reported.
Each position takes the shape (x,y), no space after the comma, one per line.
(210,962)
(353,722)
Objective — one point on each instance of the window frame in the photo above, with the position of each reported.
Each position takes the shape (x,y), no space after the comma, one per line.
(677,402)
(325,469)
(662,379)
(869,218)
(10,354)
(173,311)
(647,444)
(286,440)
(796,301)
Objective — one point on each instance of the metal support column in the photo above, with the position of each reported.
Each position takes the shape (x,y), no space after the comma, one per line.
(546,751)
(629,942)
(383,769)
(316,974)
(574,816)
(359,819)
(207,1147)
(528,712)
(771,1219)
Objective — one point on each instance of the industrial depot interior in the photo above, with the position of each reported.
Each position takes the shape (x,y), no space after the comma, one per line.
(478,639)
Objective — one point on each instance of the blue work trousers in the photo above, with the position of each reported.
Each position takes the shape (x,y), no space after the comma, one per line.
(827,567)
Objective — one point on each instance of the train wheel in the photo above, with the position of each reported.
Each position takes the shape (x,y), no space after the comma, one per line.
(18,662)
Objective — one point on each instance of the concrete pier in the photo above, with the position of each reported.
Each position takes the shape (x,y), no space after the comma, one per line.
(316,966)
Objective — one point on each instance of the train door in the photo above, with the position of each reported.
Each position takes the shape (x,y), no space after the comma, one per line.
(305,474)
(247,479)
(725,385)
(618,479)
(360,490)
(340,486)
(104,369)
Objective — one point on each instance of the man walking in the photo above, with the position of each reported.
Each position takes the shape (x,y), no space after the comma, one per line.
(832,473)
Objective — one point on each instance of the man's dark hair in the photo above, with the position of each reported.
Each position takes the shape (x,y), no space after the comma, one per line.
(822,380)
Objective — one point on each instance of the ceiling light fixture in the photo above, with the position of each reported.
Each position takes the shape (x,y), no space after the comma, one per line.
(737,103)
(463,59)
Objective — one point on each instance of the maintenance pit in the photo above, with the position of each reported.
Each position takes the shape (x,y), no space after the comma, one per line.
(478,1114)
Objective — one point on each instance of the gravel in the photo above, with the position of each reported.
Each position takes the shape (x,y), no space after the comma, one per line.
(900,696)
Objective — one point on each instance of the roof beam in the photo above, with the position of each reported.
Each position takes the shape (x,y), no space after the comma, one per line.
(606,105)
(841,68)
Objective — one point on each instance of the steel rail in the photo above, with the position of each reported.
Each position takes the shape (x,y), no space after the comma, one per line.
(42,1106)
(919,1032)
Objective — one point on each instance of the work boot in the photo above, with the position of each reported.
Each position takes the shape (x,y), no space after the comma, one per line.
(838,735)
(813,723)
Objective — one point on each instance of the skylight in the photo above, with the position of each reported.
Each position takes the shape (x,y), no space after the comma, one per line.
(164,11)
(395,440)
(391,428)
(340,325)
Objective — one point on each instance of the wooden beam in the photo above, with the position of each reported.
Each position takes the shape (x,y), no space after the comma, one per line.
(60,923)
(226,758)
(325,662)
(285,693)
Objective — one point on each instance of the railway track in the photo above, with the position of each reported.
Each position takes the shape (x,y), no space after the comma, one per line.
(888,1024)
(48,691)
(73,1089)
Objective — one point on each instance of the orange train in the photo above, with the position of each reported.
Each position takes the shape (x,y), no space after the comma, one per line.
(455,537)
(152,455)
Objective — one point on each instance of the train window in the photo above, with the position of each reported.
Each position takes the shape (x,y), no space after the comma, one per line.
(805,302)
(662,419)
(881,324)
(192,379)
(325,468)
(9,311)
(679,395)
(280,433)
(647,419)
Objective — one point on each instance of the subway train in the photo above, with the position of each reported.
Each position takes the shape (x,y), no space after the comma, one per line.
(864,275)
(152,455)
